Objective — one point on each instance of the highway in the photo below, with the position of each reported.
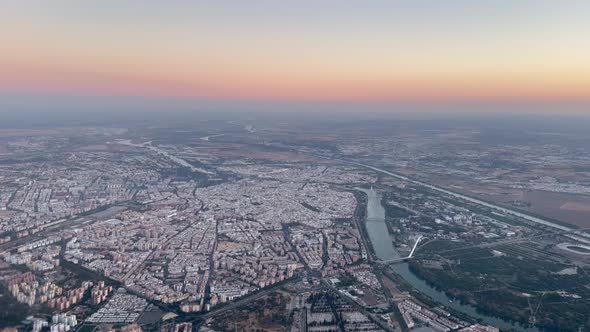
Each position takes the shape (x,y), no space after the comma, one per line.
(467,198)
(53,227)
(248,298)
(359,307)
(508,241)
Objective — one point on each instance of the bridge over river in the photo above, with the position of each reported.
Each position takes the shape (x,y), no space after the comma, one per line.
(384,250)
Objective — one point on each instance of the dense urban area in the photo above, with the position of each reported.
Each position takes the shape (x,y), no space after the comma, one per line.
(277,226)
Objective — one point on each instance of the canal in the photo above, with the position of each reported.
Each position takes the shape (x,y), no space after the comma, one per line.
(383,247)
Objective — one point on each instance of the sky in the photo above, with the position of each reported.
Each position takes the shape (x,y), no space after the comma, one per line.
(299,50)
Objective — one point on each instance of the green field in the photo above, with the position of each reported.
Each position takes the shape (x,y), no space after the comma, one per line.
(521,285)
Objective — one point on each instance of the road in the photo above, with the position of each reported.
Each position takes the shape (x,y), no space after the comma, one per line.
(359,307)
(151,254)
(248,298)
(463,197)
(177,160)
(508,241)
(53,227)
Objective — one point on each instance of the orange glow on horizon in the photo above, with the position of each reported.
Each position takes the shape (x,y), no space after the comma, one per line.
(30,78)
(299,50)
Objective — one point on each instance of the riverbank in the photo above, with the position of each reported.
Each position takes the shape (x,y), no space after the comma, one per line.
(380,240)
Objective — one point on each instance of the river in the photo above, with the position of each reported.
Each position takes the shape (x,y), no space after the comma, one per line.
(175,159)
(470,199)
(383,247)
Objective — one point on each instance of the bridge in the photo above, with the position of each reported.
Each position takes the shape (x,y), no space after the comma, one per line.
(401,259)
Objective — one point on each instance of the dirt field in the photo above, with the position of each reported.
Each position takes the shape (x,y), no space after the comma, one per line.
(266,314)
(248,151)
(551,204)
(4,213)
(224,245)
(26,132)
(576,206)
(95,147)
(569,208)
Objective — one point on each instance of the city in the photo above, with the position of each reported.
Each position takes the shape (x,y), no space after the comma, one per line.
(187,233)
(294,166)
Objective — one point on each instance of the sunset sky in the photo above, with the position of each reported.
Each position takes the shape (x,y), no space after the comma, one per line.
(302,50)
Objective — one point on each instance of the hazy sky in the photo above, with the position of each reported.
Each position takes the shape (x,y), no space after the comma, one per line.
(307,50)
